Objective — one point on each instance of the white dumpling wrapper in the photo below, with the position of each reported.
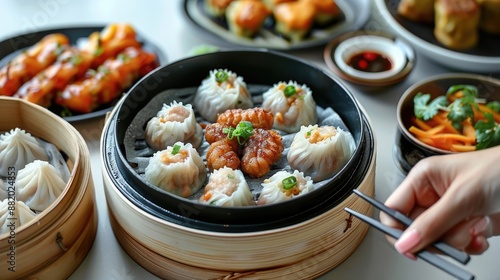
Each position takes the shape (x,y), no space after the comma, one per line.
(182,178)
(170,126)
(18,148)
(213,98)
(323,159)
(273,191)
(21,213)
(39,184)
(290,113)
(227,187)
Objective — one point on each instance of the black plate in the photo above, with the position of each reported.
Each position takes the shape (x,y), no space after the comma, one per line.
(256,67)
(11,47)
(485,57)
(355,15)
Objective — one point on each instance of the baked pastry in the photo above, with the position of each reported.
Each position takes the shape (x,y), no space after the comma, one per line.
(326,11)
(490,16)
(457,23)
(272,3)
(246,17)
(417,10)
(294,19)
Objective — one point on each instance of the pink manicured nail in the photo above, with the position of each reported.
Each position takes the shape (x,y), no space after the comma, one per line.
(482,227)
(410,256)
(408,241)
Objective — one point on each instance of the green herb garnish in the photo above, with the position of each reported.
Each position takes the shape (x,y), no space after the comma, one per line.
(460,110)
(176,149)
(289,90)
(76,59)
(242,132)
(494,106)
(289,182)
(65,112)
(221,76)
(99,49)
(487,132)
(427,110)
(123,58)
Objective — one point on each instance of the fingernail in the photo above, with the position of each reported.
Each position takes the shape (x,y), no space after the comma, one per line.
(481,227)
(408,241)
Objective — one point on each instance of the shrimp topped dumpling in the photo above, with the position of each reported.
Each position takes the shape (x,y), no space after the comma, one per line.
(291,104)
(220,91)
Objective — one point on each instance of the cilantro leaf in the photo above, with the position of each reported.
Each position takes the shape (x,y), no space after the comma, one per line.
(494,105)
(467,90)
(487,132)
(459,112)
(426,110)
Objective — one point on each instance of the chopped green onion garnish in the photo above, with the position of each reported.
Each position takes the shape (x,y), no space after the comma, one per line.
(289,91)
(176,149)
(289,182)
(221,76)
(242,132)
(230,176)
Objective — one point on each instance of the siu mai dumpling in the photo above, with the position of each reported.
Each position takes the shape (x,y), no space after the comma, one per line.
(178,169)
(220,91)
(294,19)
(21,213)
(457,23)
(417,10)
(490,16)
(283,186)
(227,187)
(18,148)
(173,123)
(320,152)
(291,104)
(246,17)
(38,185)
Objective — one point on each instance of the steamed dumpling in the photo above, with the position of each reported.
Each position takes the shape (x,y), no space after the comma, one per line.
(18,148)
(320,152)
(173,123)
(227,187)
(283,186)
(220,91)
(292,106)
(178,169)
(39,184)
(21,213)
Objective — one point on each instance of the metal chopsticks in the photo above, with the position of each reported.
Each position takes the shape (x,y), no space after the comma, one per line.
(425,255)
(446,249)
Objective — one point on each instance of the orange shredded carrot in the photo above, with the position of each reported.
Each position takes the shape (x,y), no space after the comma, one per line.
(463,148)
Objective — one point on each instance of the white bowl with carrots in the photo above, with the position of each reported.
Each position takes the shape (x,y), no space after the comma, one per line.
(448,113)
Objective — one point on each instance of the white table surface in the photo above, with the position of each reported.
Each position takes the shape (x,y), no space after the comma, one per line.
(163,23)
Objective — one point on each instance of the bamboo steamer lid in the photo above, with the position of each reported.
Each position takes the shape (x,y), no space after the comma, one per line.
(304,250)
(56,241)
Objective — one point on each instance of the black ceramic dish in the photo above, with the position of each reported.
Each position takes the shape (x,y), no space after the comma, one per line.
(11,47)
(355,15)
(408,149)
(259,67)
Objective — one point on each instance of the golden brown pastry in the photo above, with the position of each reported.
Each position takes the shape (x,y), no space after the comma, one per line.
(294,19)
(490,16)
(246,17)
(457,23)
(417,10)
(326,10)
(217,8)
(272,3)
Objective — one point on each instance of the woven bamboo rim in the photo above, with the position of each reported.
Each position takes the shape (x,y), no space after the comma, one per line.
(172,251)
(53,244)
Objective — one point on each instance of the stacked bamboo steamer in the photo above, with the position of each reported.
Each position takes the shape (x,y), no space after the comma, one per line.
(52,245)
(304,250)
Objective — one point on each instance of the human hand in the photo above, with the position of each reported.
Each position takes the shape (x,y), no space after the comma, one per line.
(453,198)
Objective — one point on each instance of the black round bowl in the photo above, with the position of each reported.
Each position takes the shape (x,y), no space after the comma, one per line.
(256,67)
(408,149)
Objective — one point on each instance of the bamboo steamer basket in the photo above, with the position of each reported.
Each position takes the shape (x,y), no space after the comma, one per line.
(304,250)
(52,245)
(180,239)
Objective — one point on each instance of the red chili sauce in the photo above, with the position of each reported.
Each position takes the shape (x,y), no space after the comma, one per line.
(369,61)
